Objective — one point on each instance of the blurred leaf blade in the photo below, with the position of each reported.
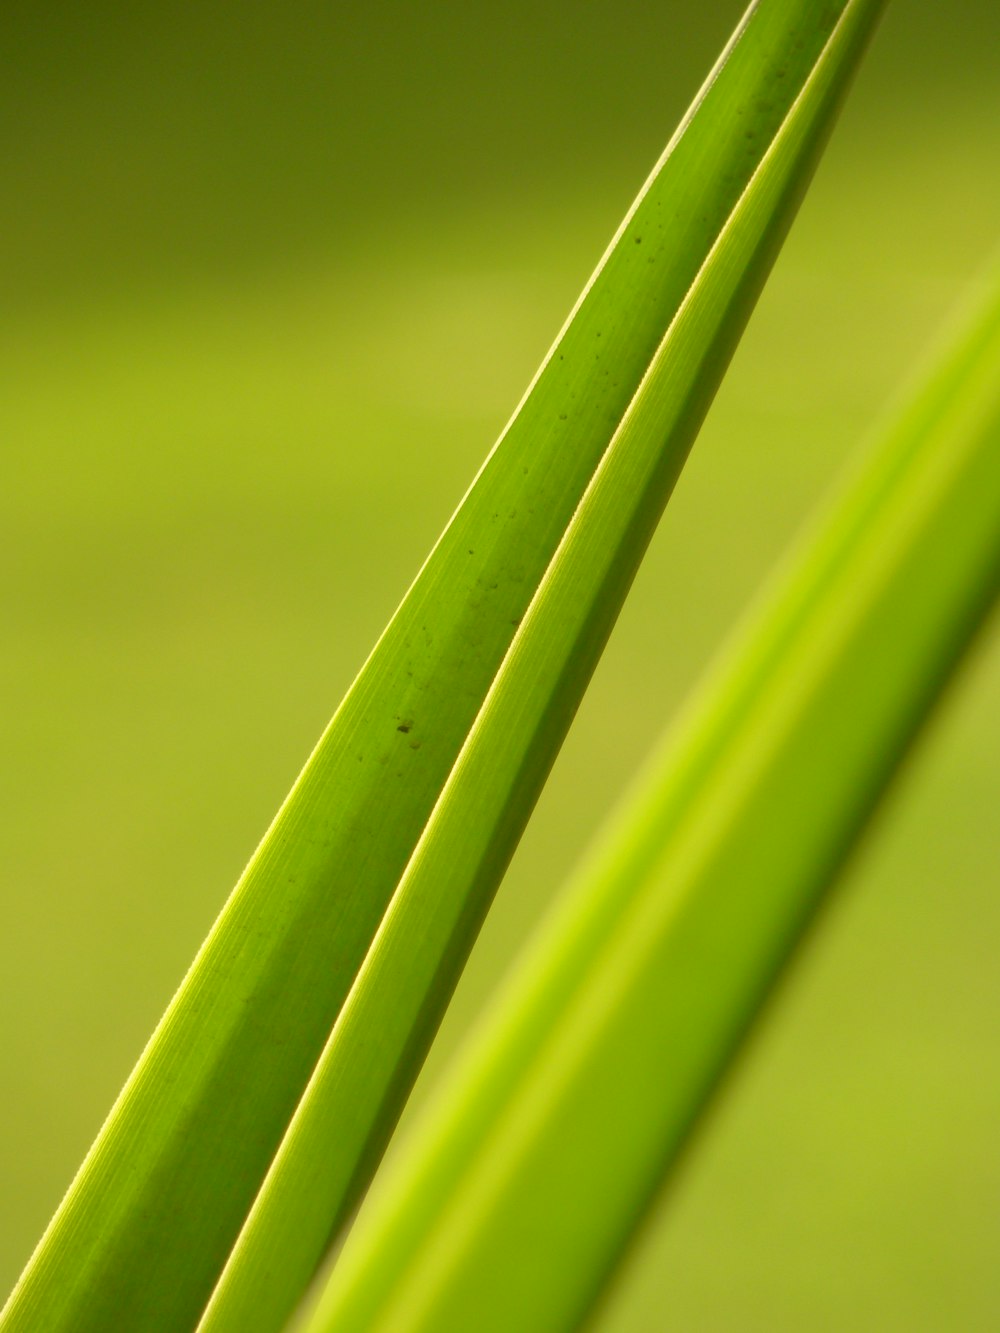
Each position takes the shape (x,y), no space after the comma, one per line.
(150,1219)
(596,1061)
(402,988)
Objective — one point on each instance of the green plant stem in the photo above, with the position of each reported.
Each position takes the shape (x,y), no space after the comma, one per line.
(146,1228)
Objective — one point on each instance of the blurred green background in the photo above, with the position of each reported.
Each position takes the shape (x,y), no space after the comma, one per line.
(274,276)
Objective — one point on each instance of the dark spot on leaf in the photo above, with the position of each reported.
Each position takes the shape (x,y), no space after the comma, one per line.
(404,726)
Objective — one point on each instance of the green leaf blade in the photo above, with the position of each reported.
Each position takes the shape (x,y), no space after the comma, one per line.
(527,1177)
(149,1221)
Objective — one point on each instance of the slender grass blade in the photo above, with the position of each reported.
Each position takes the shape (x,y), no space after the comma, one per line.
(147,1226)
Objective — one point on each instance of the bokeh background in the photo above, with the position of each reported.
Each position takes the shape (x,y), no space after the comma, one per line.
(274,276)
